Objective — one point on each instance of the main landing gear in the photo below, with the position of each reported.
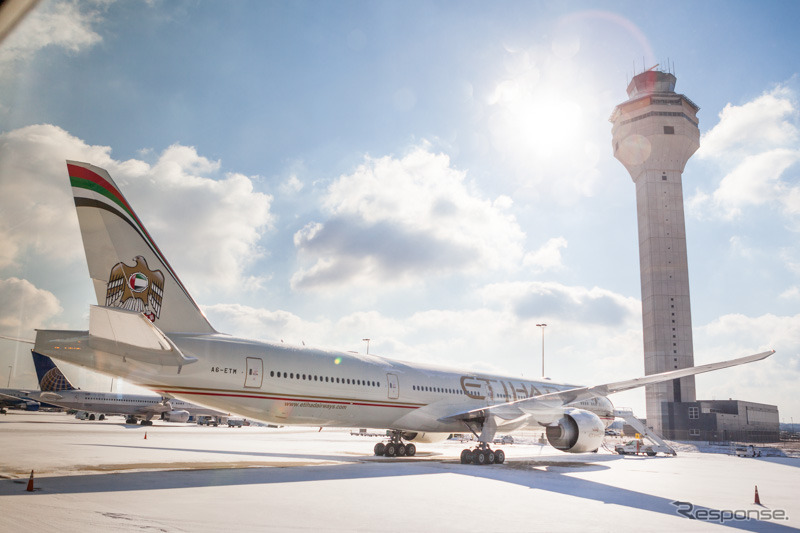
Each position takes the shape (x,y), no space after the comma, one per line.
(395,447)
(482,455)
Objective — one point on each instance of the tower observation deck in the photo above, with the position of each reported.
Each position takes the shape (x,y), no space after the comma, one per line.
(655,132)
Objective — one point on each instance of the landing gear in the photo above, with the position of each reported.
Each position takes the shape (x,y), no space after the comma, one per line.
(395,447)
(483,455)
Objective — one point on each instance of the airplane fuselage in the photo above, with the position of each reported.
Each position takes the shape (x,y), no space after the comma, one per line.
(283,384)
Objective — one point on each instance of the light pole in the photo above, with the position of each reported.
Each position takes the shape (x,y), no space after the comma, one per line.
(10,368)
(542,326)
(367,341)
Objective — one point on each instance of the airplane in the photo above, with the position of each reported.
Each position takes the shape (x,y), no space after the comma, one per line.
(56,389)
(17,398)
(148,329)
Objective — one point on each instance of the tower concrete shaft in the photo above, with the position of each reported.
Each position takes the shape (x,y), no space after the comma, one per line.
(654,134)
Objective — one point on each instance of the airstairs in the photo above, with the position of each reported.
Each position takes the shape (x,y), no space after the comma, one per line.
(655,438)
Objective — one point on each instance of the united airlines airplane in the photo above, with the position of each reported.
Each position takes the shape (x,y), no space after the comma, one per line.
(56,389)
(147,329)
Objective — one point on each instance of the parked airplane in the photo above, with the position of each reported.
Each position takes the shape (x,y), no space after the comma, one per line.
(147,329)
(57,390)
(18,399)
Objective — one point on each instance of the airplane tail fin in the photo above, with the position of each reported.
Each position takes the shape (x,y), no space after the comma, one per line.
(51,379)
(127,268)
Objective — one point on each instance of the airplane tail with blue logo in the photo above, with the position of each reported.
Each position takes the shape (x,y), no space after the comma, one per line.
(127,268)
(51,379)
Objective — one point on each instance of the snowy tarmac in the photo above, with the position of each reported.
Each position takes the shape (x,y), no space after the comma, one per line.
(106,476)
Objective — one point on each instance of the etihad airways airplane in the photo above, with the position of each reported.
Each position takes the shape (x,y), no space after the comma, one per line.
(57,390)
(147,329)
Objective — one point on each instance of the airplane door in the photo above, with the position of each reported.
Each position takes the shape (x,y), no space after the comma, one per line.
(255,372)
(394,386)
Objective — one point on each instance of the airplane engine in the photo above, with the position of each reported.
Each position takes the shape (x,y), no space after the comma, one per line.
(412,436)
(31,406)
(176,416)
(576,432)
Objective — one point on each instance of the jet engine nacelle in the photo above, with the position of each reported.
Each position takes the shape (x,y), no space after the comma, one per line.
(425,437)
(31,406)
(176,416)
(576,432)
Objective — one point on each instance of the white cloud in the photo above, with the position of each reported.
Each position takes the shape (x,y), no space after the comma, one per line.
(292,185)
(35,194)
(756,145)
(773,381)
(69,25)
(756,181)
(208,227)
(792,293)
(548,301)
(548,257)
(25,307)
(398,221)
(766,123)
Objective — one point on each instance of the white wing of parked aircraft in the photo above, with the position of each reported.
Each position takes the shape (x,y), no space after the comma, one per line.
(147,329)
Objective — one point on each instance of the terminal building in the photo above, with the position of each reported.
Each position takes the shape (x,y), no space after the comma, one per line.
(654,134)
(723,420)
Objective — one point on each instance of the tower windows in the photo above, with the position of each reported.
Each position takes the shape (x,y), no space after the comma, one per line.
(669,130)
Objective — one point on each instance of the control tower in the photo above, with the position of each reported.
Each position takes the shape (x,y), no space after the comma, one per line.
(654,134)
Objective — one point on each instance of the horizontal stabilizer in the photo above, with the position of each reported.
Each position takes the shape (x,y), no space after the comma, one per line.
(132,335)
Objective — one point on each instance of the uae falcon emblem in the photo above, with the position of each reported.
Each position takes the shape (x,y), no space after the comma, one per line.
(136,288)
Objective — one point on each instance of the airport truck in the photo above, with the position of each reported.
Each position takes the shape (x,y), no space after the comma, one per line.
(211,420)
(635,447)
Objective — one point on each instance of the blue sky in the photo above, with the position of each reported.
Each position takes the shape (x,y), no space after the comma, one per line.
(435,176)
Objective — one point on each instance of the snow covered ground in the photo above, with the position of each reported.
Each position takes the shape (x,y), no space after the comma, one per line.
(105,476)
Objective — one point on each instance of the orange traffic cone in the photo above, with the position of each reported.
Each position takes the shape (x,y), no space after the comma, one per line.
(30,483)
(757,500)
(145,435)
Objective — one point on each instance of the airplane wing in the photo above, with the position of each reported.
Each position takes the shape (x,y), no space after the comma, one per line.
(7,395)
(553,401)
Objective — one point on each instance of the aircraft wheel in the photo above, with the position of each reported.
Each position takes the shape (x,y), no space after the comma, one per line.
(479,458)
(101,417)
(390,450)
(489,457)
(401,450)
(499,457)
(466,457)
(91,416)
(379,448)
(411,450)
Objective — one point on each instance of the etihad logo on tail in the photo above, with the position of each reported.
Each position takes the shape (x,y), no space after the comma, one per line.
(136,288)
